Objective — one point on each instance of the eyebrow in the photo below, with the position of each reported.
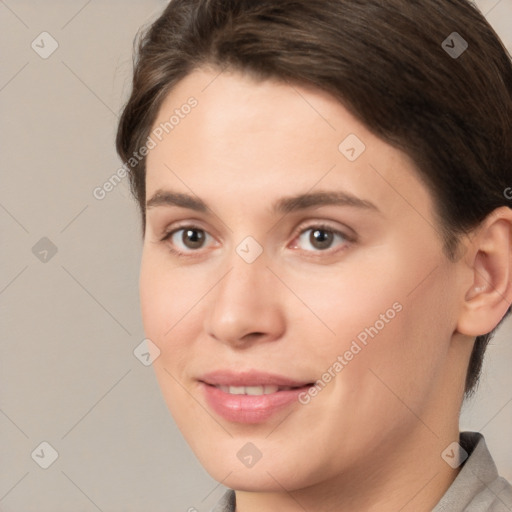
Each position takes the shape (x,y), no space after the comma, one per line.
(284,205)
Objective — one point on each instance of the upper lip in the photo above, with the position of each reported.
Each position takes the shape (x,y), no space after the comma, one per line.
(249,378)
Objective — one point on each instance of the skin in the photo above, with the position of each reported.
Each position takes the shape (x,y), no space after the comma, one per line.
(372,438)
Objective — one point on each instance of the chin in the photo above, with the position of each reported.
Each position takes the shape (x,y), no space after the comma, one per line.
(252,480)
(269,475)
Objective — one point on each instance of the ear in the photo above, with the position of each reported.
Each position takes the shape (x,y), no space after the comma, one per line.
(489,257)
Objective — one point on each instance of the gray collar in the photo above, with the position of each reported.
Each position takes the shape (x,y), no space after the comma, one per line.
(478,487)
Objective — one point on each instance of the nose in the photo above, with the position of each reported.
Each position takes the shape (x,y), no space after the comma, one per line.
(246,306)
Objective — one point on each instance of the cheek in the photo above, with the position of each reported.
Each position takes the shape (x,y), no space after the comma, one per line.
(388,318)
(379,368)
(356,301)
(165,294)
(163,302)
(154,296)
(405,360)
(171,316)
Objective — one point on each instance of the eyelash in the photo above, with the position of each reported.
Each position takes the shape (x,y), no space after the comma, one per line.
(319,227)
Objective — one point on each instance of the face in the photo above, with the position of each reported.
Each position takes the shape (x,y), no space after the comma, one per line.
(294,281)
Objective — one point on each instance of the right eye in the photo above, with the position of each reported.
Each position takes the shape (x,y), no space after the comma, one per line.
(186,239)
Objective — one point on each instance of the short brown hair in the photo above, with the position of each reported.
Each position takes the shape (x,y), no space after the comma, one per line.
(389,64)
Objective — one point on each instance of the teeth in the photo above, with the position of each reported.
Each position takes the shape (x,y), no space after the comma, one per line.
(252,390)
(256,390)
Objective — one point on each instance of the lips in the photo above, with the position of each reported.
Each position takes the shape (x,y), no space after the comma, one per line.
(251,378)
(251,396)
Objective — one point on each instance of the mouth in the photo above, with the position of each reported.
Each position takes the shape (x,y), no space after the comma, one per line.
(251,396)
(251,382)
(256,390)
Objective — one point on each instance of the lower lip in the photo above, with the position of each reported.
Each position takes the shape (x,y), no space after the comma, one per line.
(249,408)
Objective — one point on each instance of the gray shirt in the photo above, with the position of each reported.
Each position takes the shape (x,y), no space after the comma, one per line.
(477,488)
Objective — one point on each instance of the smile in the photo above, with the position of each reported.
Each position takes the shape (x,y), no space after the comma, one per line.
(253,390)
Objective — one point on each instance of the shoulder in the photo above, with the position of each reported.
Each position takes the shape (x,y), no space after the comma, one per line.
(478,486)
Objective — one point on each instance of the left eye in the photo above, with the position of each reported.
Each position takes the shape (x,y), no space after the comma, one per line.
(321,238)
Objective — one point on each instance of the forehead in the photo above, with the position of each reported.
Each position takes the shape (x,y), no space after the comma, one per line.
(244,139)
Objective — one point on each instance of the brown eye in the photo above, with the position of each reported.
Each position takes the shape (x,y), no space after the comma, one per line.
(187,239)
(321,238)
(193,238)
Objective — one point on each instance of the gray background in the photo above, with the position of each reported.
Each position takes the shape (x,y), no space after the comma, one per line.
(70,324)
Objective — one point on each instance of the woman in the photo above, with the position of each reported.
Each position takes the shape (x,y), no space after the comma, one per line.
(327,244)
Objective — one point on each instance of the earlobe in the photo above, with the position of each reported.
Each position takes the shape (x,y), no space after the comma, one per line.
(488,298)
